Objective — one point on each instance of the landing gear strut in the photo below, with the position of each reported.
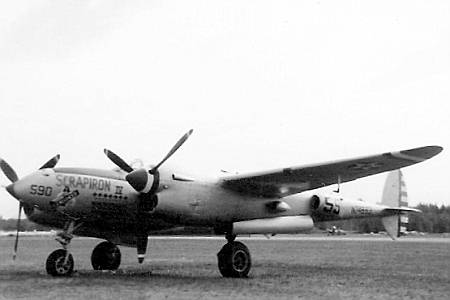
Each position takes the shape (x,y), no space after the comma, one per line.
(234,258)
(60,262)
(106,256)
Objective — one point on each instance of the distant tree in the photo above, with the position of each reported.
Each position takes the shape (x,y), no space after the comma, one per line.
(434,219)
(25,225)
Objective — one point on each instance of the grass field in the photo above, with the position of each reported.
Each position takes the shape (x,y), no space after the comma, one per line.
(282,269)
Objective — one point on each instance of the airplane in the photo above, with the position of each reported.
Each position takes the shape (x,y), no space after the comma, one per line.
(123,206)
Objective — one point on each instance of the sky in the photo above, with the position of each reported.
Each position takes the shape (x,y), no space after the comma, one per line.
(264,84)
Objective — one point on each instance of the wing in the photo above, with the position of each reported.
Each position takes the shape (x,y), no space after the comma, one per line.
(292,180)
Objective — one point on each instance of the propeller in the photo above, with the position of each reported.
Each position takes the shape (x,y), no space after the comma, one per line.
(147,186)
(140,180)
(12,176)
(118,161)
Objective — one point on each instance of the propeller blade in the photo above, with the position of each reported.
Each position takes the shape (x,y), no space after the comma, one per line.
(16,243)
(173,150)
(118,161)
(51,163)
(9,172)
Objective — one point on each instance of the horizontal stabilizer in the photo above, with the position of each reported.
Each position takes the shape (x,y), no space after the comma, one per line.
(401,209)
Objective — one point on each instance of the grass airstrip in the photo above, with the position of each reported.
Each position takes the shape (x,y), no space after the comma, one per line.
(185,268)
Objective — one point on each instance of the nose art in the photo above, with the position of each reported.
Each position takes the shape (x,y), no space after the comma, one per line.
(10,189)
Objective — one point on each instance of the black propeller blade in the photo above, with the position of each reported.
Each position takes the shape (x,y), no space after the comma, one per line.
(173,150)
(9,172)
(16,243)
(118,161)
(51,163)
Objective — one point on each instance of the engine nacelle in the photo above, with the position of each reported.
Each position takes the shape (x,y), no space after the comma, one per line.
(288,224)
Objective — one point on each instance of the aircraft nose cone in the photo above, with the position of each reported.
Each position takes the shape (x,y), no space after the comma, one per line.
(138,179)
(10,189)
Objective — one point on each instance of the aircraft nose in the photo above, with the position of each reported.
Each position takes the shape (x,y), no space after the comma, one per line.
(18,189)
(10,189)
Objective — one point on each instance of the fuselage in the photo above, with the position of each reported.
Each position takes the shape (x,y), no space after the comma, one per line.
(106,205)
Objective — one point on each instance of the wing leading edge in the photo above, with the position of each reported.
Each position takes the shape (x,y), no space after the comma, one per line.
(292,180)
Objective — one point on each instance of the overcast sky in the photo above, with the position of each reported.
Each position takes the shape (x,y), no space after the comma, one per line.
(264,84)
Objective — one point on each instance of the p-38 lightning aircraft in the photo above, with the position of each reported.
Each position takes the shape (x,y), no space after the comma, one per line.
(125,205)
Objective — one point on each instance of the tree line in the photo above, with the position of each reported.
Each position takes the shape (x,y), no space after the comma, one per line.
(434,219)
(25,225)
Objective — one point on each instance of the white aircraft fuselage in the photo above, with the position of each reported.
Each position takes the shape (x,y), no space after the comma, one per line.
(106,204)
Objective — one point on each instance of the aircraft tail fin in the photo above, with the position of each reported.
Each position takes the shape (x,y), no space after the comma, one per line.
(396,197)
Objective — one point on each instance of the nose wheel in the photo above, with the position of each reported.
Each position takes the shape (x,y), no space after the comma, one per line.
(60,263)
(234,260)
(106,256)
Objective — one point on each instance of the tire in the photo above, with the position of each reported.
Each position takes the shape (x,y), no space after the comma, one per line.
(234,260)
(106,256)
(57,265)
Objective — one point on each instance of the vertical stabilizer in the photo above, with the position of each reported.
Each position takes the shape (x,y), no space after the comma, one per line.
(395,195)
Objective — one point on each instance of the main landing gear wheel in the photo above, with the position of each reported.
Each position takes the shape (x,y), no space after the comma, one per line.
(59,263)
(234,260)
(106,256)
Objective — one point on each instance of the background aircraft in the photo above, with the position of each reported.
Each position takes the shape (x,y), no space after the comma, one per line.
(123,206)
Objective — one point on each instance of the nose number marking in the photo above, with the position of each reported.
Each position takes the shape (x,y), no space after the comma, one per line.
(41,190)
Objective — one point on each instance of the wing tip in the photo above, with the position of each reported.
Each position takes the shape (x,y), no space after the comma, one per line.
(423,152)
(417,154)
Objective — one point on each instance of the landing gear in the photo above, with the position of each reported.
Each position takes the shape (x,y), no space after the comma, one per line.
(106,256)
(234,259)
(59,263)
